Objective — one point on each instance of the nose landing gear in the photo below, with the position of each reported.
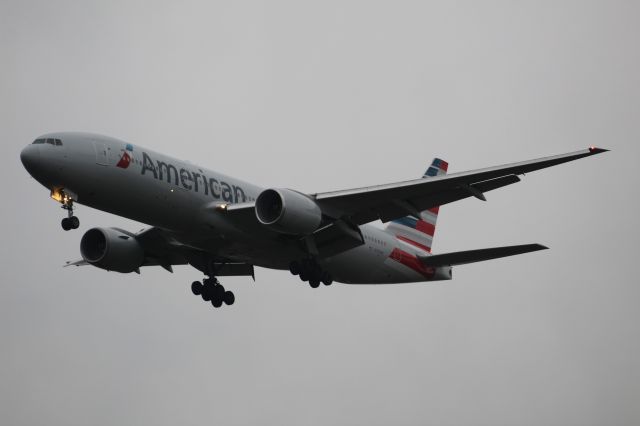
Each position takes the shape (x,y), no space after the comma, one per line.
(212,291)
(71,221)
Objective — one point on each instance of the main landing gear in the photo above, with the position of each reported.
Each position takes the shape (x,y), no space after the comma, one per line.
(212,291)
(71,221)
(309,270)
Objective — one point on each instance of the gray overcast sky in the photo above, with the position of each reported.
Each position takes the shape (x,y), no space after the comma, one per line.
(321,96)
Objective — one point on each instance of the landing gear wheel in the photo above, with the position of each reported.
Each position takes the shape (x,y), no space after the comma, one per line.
(295,268)
(66,224)
(217,296)
(314,283)
(216,300)
(74,222)
(212,291)
(326,279)
(196,288)
(229,298)
(206,293)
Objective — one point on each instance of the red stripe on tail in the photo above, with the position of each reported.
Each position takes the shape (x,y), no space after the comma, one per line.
(413,243)
(426,227)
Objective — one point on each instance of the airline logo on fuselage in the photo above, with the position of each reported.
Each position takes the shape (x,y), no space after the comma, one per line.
(127,157)
(192,181)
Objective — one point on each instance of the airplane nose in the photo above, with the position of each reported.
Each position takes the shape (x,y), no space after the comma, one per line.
(30,157)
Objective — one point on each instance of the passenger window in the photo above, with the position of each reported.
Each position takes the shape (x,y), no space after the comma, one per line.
(38,141)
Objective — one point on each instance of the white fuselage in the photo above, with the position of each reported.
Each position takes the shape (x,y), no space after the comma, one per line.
(181,197)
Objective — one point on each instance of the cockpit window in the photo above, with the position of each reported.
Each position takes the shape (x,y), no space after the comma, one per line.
(50,141)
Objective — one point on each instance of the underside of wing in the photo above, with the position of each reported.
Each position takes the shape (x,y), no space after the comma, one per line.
(162,249)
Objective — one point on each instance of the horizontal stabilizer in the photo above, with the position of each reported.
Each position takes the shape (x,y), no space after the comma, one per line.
(480,255)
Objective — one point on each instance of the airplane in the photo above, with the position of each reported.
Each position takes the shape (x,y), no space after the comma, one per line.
(223,226)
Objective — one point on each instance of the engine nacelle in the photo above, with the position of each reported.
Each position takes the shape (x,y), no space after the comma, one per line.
(111,249)
(288,211)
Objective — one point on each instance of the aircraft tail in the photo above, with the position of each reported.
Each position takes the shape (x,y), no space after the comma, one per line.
(419,231)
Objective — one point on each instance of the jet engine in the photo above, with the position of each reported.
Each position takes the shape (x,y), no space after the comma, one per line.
(111,249)
(288,212)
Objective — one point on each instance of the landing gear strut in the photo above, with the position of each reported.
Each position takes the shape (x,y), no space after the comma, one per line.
(71,221)
(309,270)
(212,291)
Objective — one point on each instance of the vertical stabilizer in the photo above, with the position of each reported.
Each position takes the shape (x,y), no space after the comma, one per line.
(419,232)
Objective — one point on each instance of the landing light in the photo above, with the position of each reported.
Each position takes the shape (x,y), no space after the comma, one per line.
(222,207)
(59,196)
(56,196)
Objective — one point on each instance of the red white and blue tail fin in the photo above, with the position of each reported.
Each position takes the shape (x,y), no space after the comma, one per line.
(438,167)
(419,232)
